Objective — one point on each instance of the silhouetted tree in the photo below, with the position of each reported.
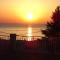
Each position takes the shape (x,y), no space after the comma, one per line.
(53,27)
(52,32)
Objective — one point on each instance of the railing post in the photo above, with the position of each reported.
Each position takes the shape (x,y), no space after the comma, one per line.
(13,42)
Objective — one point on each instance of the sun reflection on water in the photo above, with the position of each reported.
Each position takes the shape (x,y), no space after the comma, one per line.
(29,34)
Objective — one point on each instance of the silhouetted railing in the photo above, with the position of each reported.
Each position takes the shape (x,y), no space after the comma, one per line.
(26,37)
(52,45)
(18,37)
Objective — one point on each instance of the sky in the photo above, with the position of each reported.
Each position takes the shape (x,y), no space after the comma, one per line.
(26,11)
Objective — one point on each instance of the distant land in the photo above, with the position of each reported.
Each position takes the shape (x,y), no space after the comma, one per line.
(20,25)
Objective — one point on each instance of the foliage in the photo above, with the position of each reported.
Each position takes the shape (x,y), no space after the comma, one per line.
(53,27)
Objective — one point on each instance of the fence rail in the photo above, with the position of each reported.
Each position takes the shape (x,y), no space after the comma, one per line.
(19,37)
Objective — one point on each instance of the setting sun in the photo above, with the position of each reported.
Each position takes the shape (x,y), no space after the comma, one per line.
(29,16)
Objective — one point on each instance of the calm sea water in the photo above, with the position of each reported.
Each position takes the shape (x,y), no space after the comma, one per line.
(20,31)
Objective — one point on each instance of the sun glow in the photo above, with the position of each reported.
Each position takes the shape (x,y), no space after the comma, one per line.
(29,34)
(27,13)
(29,16)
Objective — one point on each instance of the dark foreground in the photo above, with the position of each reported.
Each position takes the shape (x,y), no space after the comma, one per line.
(28,56)
(26,51)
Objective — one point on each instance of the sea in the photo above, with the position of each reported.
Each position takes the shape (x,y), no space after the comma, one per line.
(21,32)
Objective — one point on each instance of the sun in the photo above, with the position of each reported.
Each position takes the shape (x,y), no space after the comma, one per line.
(29,16)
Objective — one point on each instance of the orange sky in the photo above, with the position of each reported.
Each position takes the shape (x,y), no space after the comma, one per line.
(18,11)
